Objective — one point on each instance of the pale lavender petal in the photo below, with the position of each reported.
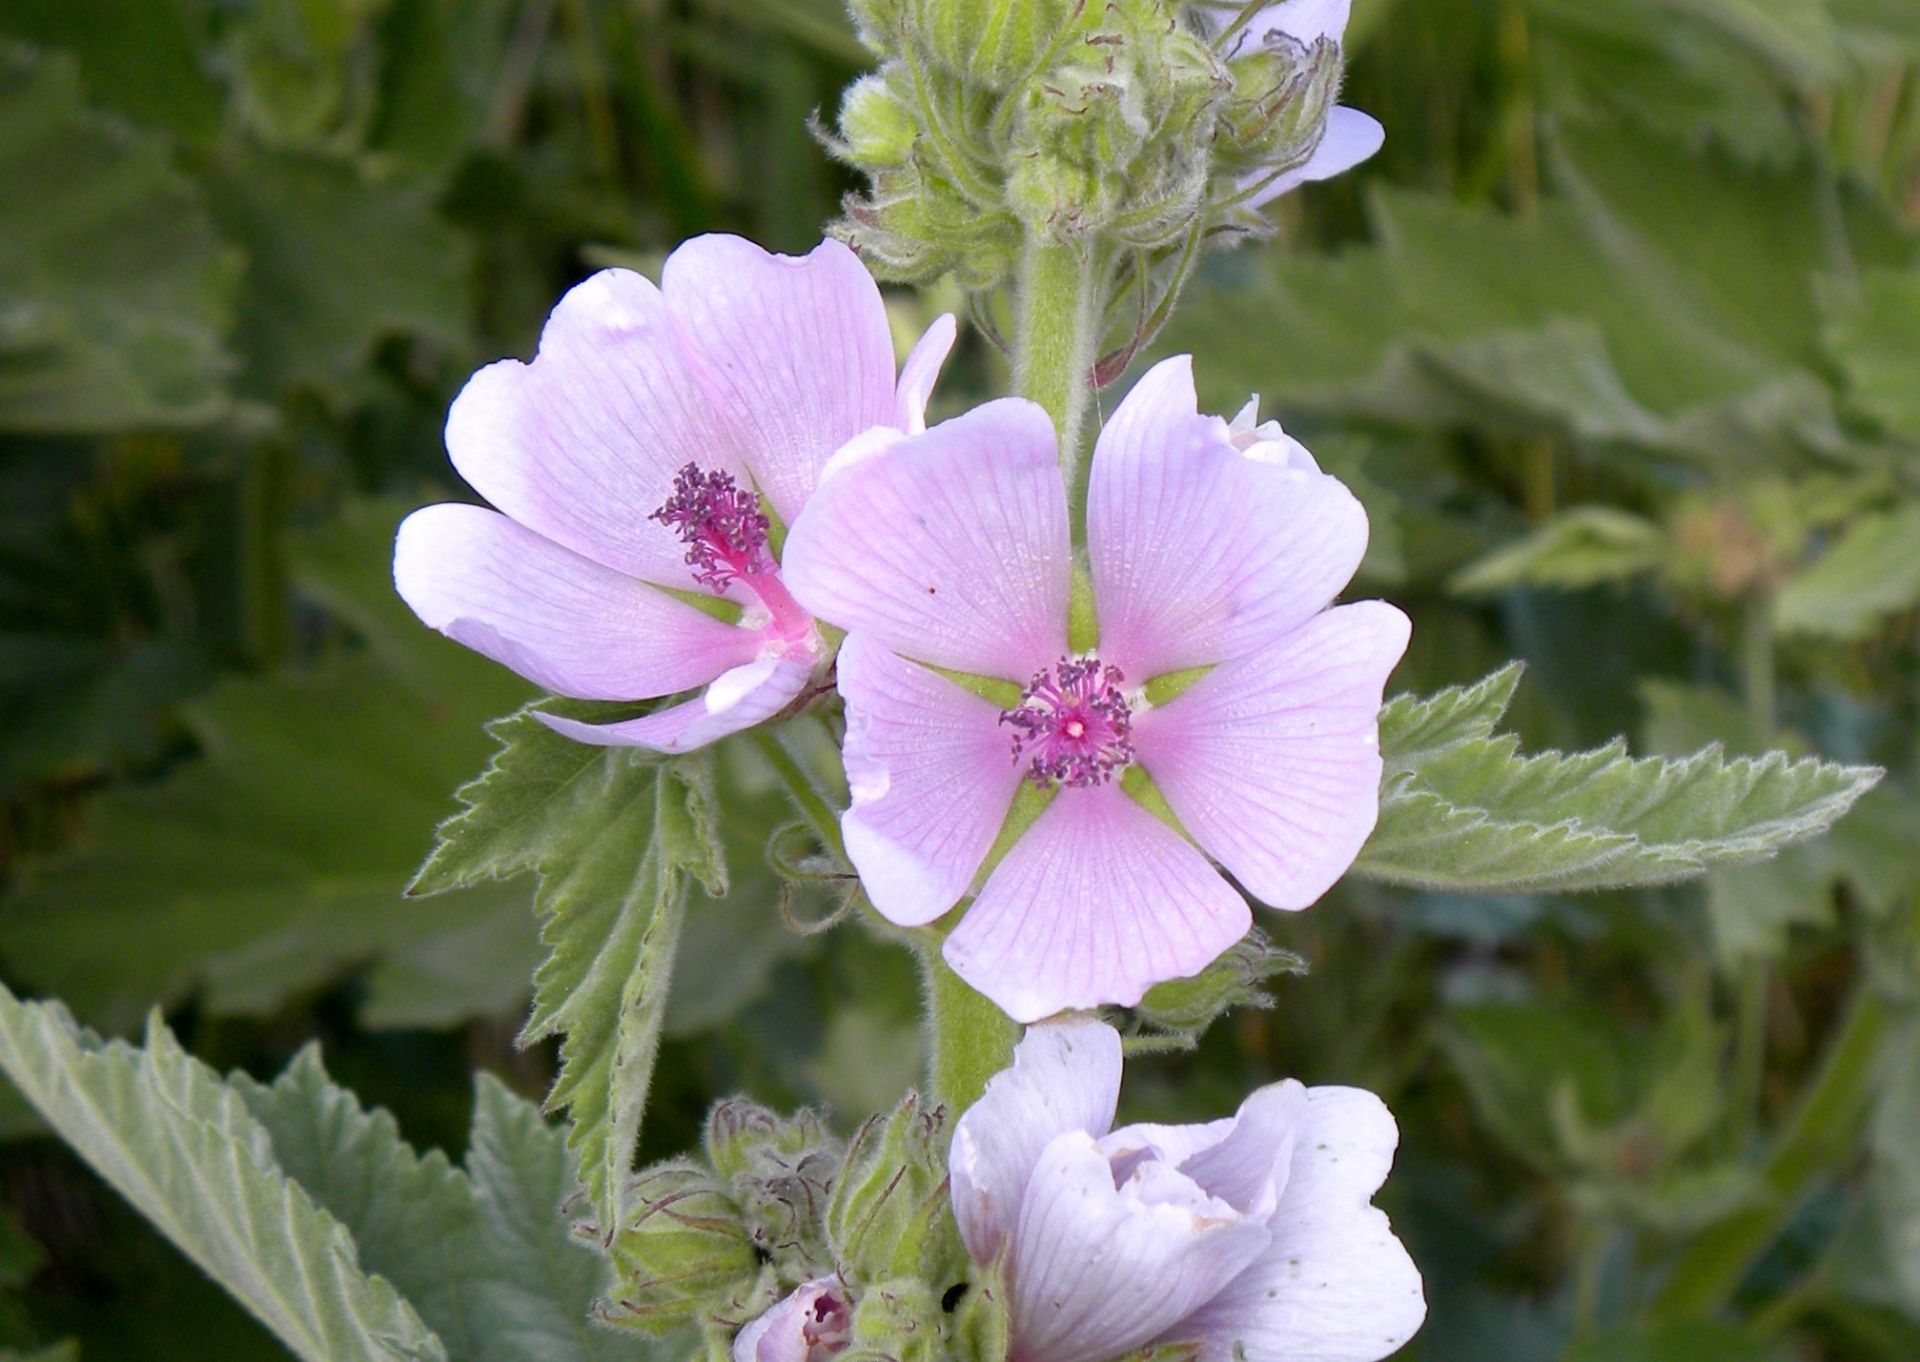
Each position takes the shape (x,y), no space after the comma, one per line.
(1198,552)
(931,774)
(582,444)
(814,1321)
(1335,1285)
(794,352)
(747,695)
(1272,761)
(948,548)
(1248,1167)
(1098,902)
(1305,21)
(562,621)
(1266,442)
(1065,1077)
(1170,1144)
(1350,138)
(1097,1271)
(921,372)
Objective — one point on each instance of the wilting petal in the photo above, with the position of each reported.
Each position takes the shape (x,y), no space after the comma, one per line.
(1334,1285)
(560,620)
(1351,137)
(931,775)
(812,1323)
(794,351)
(948,547)
(1065,1077)
(1097,1271)
(921,372)
(582,444)
(749,694)
(1199,553)
(1098,902)
(1272,762)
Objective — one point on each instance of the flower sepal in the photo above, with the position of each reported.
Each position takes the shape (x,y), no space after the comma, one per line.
(781,1171)
(889,1216)
(684,1254)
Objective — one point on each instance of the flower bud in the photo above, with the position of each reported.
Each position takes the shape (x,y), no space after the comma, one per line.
(780,1171)
(991,44)
(890,1215)
(878,23)
(902,1320)
(877,123)
(684,1252)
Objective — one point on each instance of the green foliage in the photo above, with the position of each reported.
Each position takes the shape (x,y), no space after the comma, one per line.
(1175,1014)
(1576,548)
(1870,573)
(1873,333)
(617,840)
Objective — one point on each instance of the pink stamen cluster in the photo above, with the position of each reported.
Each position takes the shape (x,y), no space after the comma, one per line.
(721,524)
(1072,726)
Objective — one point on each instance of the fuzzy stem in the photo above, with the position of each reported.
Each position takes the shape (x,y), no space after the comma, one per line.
(971,1038)
(1060,307)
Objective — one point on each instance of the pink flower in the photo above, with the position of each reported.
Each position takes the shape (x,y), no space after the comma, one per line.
(1254,1232)
(643,466)
(1212,555)
(812,1324)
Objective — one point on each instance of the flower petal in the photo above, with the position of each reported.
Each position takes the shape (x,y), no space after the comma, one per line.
(1097,1271)
(948,547)
(794,352)
(1065,1077)
(1098,902)
(1350,138)
(921,372)
(1305,21)
(1334,1285)
(812,1320)
(560,620)
(1248,1167)
(749,694)
(582,444)
(1272,762)
(931,775)
(1198,552)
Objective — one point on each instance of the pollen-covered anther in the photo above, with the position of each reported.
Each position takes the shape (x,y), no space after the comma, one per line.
(1073,726)
(721,524)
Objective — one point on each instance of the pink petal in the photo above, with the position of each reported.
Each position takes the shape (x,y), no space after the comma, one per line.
(1097,1271)
(1351,137)
(562,621)
(1198,552)
(794,352)
(949,547)
(932,775)
(921,372)
(811,1321)
(1272,762)
(582,444)
(1065,1077)
(1334,1285)
(1098,902)
(747,695)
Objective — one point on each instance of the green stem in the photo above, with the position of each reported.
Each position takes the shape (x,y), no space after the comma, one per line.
(1819,1136)
(1055,347)
(971,1038)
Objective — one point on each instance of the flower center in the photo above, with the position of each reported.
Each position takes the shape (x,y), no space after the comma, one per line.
(828,1326)
(1072,725)
(721,524)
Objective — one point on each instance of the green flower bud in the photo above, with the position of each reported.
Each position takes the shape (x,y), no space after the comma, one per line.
(878,124)
(992,44)
(891,1214)
(878,23)
(901,1320)
(685,1252)
(1281,93)
(780,1171)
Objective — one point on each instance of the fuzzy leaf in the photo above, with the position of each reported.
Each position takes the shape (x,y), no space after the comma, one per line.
(1478,815)
(1413,728)
(617,839)
(1872,572)
(1580,548)
(184,1149)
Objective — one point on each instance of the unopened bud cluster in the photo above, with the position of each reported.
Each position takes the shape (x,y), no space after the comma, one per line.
(1137,125)
(778,1205)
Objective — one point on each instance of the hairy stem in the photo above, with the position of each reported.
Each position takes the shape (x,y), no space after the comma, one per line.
(1060,307)
(971,1039)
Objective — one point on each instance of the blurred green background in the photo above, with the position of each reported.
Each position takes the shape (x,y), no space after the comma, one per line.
(1618,339)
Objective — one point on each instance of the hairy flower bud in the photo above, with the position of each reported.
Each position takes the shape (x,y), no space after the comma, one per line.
(992,44)
(890,1213)
(878,122)
(685,1252)
(780,1170)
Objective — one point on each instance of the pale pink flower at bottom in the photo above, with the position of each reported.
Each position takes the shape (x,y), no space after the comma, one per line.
(1254,1233)
(1222,709)
(641,464)
(811,1324)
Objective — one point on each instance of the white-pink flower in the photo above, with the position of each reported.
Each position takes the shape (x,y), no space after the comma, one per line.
(643,465)
(1255,1232)
(1213,553)
(811,1324)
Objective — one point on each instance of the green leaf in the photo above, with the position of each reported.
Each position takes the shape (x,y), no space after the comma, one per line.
(1873,333)
(1414,729)
(1478,815)
(1870,574)
(617,839)
(184,1149)
(1690,1342)
(1575,549)
(117,292)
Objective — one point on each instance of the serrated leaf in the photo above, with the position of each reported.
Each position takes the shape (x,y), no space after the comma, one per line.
(617,838)
(1478,815)
(184,1149)
(1575,549)
(1415,728)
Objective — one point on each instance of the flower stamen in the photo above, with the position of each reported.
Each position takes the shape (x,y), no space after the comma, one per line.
(721,524)
(1073,726)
